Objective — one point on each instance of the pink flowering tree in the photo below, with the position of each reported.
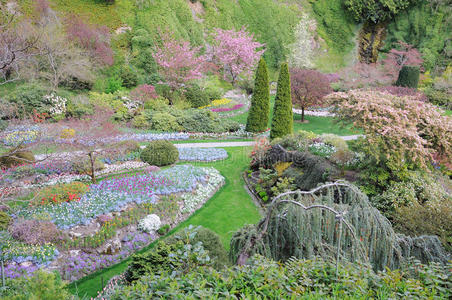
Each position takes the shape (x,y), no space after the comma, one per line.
(143,92)
(406,54)
(397,129)
(179,62)
(236,52)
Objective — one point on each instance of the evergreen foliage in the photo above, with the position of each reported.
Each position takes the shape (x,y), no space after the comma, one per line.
(282,122)
(160,153)
(408,77)
(260,102)
(289,230)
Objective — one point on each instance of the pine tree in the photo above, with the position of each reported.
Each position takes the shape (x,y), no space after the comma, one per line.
(260,102)
(282,122)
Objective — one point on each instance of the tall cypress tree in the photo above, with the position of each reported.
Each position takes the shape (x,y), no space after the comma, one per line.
(282,122)
(260,102)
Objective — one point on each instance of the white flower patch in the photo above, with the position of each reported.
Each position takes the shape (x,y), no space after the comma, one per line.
(203,191)
(58,104)
(115,168)
(150,223)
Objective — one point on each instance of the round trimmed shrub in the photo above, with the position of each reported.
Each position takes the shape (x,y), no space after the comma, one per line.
(160,153)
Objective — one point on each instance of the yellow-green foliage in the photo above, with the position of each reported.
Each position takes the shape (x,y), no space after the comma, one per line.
(334,140)
(5,220)
(280,167)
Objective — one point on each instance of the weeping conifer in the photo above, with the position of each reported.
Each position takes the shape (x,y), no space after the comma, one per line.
(260,102)
(282,122)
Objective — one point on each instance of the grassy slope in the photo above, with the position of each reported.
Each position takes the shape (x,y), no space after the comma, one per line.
(229,209)
(317,125)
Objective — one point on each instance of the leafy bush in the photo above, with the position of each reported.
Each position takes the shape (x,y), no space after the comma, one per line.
(17,158)
(29,97)
(113,84)
(42,285)
(164,229)
(5,220)
(78,107)
(408,77)
(209,240)
(128,77)
(163,121)
(61,193)
(160,153)
(296,279)
(196,96)
(3,124)
(200,120)
(158,103)
(34,232)
(334,140)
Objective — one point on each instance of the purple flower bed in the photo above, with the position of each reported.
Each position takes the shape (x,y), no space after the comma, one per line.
(223,109)
(15,270)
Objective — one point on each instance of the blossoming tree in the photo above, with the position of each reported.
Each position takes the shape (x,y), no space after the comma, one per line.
(397,129)
(179,62)
(236,52)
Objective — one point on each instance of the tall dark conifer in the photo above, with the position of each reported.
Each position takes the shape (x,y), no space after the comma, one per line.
(282,122)
(260,102)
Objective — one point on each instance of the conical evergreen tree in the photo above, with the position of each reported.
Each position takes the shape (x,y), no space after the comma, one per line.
(260,102)
(282,122)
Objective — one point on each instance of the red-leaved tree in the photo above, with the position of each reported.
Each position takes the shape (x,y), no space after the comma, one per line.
(236,52)
(96,39)
(309,87)
(143,92)
(179,62)
(406,54)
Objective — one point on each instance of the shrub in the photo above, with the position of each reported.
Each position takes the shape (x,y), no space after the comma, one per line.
(5,220)
(159,103)
(3,124)
(128,77)
(34,232)
(16,159)
(439,97)
(140,121)
(160,153)
(113,84)
(83,166)
(79,107)
(41,285)
(334,140)
(164,229)
(163,121)
(196,96)
(260,102)
(154,261)
(408,77)
(200,120)
(61,193)
(143,93)
(29,97)
(282,122)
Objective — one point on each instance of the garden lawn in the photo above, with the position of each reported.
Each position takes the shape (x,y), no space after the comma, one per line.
(317,125)
(228,210)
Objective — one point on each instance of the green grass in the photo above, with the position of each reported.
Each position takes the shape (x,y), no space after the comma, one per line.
(228,210)
(448,112)
(317,125)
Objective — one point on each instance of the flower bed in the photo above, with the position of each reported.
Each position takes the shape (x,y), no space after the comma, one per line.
(114,194)
(19,253)
(225,109)
(203,191)
(202,154)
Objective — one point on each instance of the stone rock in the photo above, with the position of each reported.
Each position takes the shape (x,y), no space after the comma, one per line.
(26,264)
(74,253)
(111,247)
(74,234)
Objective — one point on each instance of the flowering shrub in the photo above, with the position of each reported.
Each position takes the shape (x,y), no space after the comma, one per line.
(67,133)
(116,193)
(224,109)
(34,232)
(216,103)
(202,154)
(57,104)
(150,223)
(143,92)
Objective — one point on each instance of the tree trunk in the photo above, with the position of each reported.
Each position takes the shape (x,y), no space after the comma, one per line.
(371,37)
(92,161)
(302,114)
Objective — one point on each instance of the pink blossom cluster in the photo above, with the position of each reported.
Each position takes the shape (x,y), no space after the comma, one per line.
(222,109)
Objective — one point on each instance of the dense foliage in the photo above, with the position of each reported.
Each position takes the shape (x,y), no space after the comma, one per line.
(260,102)
(301,279)
(160,153)
(408,77)
(282,122)
(376,11)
